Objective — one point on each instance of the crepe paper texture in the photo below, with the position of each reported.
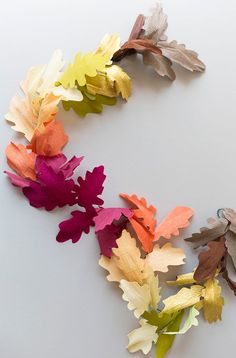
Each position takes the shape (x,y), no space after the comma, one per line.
(136,251)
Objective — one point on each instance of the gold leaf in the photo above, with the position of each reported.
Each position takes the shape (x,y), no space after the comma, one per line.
(213,301)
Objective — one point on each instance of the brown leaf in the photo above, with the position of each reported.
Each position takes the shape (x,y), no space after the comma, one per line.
(136,45)
(161,64)
(137,28)
(230,215)
(210,260)
(230,243)
(217,229)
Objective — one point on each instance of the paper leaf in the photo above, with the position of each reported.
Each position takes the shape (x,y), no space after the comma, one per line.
(137,28)
(125,262)
(137,296)
(40,80)
(230,243)
(108,46)
(90,188)
(121,81)
(144,213)
(179,54)
(230,215)
(106,216)
(182,280)
(136,45)
(107,239)
(21,161)
(213,301)
(190,321)
(73,228)
(144,236)
(25,121)
(161,64)
(59,163)
(153,284)
(165,342)
(142,338)
(177,219)
(186,297)
(68,94)
(50,140)
(17,181)
(210,260)
(155,25)
(51,189)
(89,105)
(217,229)
(83,65)
(162,257)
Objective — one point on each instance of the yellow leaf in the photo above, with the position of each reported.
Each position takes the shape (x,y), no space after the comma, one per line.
(83,65)
(142,338)
(213,301)
(181,280)
(121,81)
(101,84)
(162,257)
(137,296)
(125,262)
(108,46)
(186,297)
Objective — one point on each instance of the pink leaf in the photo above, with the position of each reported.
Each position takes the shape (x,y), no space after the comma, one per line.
(73,228)
(108,215)
(18,181)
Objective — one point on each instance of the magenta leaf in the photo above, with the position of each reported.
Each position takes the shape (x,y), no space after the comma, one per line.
(106,216)
(17,180)
(90,188)
(59,163)
(73,228)
(51,191)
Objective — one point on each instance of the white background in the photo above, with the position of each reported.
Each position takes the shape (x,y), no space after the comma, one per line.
(172,142)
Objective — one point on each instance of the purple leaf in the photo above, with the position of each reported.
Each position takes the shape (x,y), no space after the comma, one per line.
(73,228)
(90,188)
(108,215)
(51,191)
(18,180)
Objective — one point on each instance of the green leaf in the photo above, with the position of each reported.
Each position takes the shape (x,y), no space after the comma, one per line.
(165,342)
(90,104)
(191,320)
(160,320)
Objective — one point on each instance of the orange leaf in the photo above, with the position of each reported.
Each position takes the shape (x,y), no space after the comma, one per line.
(177,219)
(21,161)
(143,213)
(50,141)
(145,237)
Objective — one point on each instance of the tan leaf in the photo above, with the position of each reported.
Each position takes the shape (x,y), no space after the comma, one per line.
(156,24)
(186,297)
(137,296)
(142,338)
(179,54)
(213,301)
(162,257)
(125,262)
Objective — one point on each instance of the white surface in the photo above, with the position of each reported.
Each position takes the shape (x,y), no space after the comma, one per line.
(173,143)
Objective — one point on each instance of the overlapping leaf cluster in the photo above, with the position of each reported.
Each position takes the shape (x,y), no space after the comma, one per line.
(148,38)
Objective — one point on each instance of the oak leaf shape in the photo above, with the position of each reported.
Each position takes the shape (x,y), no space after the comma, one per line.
(163,257)
(126,262)
(213,301)
(21,161)
(142,338)
(210,260)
